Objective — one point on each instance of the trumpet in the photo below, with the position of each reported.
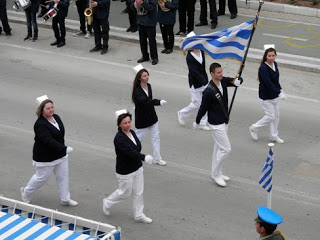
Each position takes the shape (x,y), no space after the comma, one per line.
(88,13)
(164,8)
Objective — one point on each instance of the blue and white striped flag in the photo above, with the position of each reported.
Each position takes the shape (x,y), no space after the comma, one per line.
(266,175)
(227,43)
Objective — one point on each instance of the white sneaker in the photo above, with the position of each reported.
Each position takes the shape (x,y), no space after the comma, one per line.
(180,119)
(279,140)
(225,178)
(219,180)
(204,127)
(144,219)
(24,197)
(105,210)
(253,134)
(70,203)
(88,35)
(160,162)
(77,34)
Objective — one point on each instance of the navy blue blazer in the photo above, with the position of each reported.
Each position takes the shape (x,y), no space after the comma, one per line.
(150,19)
(128,154)
(168,18)
(197,72)
(49,141)
(145,113)
(211,104)
(62,7)
(102,10)
(269,86)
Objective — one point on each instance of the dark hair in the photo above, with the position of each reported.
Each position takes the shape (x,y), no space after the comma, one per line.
(123,116)
(213,67)
(266,53)
(137,82)
(41,106)
(268,227)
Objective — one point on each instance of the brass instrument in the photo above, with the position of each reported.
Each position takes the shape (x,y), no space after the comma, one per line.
(88,13)
(164,8)
(141,10)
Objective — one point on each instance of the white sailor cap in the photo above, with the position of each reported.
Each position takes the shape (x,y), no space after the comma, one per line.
(191,34)
(40,99)
(137,68)
(266,46)
(119,112)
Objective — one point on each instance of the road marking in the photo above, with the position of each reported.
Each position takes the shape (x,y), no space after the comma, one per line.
(281,36)
(309,28)
(268,26)
(288,41)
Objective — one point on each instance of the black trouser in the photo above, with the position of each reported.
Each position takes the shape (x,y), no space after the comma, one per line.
(167,35)
(32,22)
(81,6)
(148,32)
(59,31)
(232,5)
(132,15)
(204,11)
(101,31)
(186,8)
(4,18)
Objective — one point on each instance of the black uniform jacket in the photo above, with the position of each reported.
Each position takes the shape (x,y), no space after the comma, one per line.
(102,10)
(269,86)
(197,71)
(211,104)
(145,113)
(34,6)
(169,17)
(49,141)
(62,7)
(150,19)
(128,154)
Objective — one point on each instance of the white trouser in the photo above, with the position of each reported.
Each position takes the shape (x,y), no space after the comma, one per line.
(196,97)
(42,176)
(155,139)
(221,148)
(272,117)
(129,187)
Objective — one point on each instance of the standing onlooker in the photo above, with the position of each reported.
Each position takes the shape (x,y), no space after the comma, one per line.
(269,93)
(232,5)
(147,21)
(4,18)
(215,102)
(81,6)
(167,19)
(186,10)
(129,169)
(145,114)
(50,154)
(204,13)
(198,81)
(31,15)
(132,13)
(59,19)
(100,25)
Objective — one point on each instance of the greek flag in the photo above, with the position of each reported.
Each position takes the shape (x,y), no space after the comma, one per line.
(266,175)
(227,43)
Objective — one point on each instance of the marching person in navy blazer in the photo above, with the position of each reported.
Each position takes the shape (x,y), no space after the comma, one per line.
(218,118)
(198,81)
(58,22)
(145,114)
(166,19)
(31,16)
(50,154)
(129,169)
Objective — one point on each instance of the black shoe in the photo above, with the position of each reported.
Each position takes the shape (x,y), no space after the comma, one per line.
(183,34)
(125,10)
(134,29)
(27,38)
(169,51)
(142,60)
(96,48)
(61,44)
(54,43)
(201,24)
(0,30)
(164,50)
(233,16)
(220,13)
(104,50)
(34,39)
(8,34)
(129,29)
(155,61)
(214,25)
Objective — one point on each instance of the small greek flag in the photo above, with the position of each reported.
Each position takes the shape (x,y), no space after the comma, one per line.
(266,175)
(227,43)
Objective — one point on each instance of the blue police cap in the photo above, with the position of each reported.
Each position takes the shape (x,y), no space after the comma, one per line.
(268,216)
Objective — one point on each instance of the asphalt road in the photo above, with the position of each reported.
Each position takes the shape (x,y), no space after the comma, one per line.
(181,198)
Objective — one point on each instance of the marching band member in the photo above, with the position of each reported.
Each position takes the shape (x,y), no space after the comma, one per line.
(167,18)
(204,13)
(4,18)
(186,11)
(270,93)
(147,21)
(31,15)
(59,19)
(43,9)
(145,114)
(129,169)
(81,6)
(132,13)
(232,5)
(100,25)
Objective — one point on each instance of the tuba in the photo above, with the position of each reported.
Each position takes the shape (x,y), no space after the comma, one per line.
(164,8)
(88,13)
(141,10)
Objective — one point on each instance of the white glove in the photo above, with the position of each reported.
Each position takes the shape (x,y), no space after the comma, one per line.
(195,125)
(238,82)
(69,150)
(282,96)
(148,159)
(163,102)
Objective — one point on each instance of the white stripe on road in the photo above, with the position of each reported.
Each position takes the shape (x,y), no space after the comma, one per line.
(281,36)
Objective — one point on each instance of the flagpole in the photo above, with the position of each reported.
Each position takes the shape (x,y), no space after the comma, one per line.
(270,145)
(245,54)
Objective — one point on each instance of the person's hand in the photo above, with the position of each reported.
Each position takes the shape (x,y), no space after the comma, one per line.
(282,96)
(148,159)
(163,102)
(195,125)
(238,81)
(69,150)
